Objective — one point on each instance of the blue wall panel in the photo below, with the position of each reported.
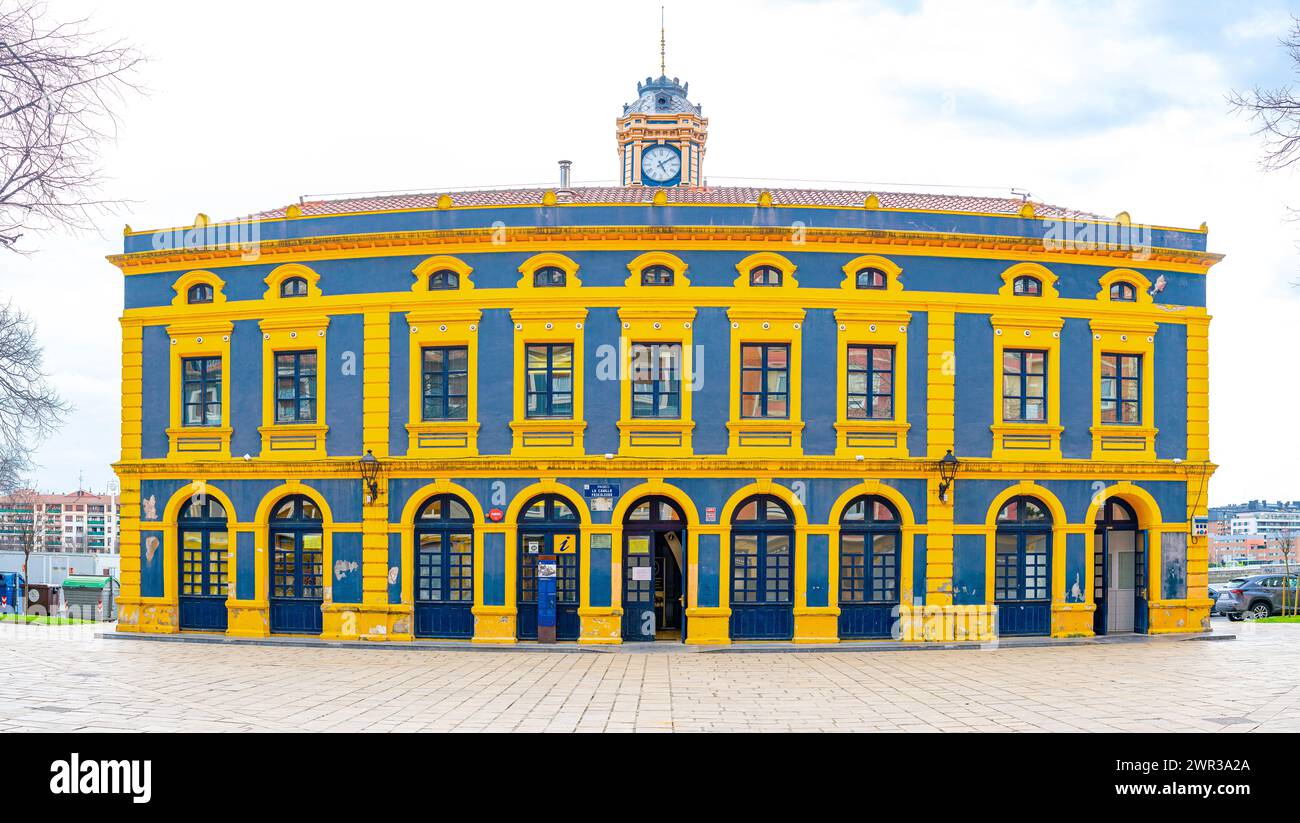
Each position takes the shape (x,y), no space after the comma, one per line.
(342,375)
(155,386)
(1076,389)
(246,388)
(709,575)
(820,338)
(394,568)
(1171,391)
(494,569)
(153,565)
(1078,557)
(496,358)
(245,566)
(818,570)
(919,553)
(345,575)
(342,496)
(918,347)
(968,570)
(601,388)
(599,576)
(710,404)
(974,386)
(399,377)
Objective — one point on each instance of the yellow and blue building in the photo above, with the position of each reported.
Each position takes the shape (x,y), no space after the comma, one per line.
(723,410)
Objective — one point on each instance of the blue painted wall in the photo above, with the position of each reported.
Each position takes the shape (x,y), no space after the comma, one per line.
(395,563)
(710,405)
(601,387)
(153,564)
(156,387)
(918,348)
(818,570)
(1076,389)
(496,367)
(245,566)
(342,375)
(968,572)
(820,404)
(345,576)
(1171,391)
(399,375)
(974,386)
(710,570)
(494,569)
(246,390)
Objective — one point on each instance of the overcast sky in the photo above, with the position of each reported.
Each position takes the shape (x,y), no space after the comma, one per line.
(1103,107)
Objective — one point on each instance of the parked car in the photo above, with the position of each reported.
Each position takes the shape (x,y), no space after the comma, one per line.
(1262,595)
(1216,589)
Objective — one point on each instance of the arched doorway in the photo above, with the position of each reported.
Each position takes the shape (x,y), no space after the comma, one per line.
(548,525)
(297,561)
(762,570)
(444,568)
(871,541)
(204,543)
(1119,570)
(654,559)
(1022,568)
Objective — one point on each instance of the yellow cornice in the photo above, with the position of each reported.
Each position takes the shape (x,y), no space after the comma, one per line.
(637,238)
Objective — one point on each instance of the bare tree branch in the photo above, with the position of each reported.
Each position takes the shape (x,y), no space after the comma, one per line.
(60,92)
(30,409)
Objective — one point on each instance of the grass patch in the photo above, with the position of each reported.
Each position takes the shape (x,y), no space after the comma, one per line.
(40,620)
(1290,618)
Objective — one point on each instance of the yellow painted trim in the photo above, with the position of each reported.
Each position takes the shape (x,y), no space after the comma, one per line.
(766,258)
(1141,287)
(907,526)
(553,323)
(766,437)
(407,529)
(656,437)
(872,261)
(193,278)
(170,527)
(1014,440)
(262,522)
(874,327)
(1117,441)
(303,332)
(566,264)
(437,263)
(1044,275)
(449,326)
(657,258)
(198,338)
(1059,531)
(282,273)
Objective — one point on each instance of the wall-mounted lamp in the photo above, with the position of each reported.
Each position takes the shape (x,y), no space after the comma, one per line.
(947,473)
(369,466)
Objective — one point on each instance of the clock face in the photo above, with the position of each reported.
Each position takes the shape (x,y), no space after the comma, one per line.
(660,163)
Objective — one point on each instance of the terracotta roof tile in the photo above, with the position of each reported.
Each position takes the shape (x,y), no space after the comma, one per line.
(712,194)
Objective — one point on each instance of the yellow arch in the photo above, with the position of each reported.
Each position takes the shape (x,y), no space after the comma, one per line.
(291,487)
(650,488)
(907,523)
(547,487)
(1059,523)
(656,258)
(192,278)
(1044,275)
(262,522)
(422,494)
(765,487)
(767,258)
(873,487)
(411,508)
(549,258)
(1144,505)
(281,273)
(437,263)
(892,271)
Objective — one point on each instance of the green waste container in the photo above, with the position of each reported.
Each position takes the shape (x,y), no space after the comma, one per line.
(90,597)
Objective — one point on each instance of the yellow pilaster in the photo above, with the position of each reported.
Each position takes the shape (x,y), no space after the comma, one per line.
(939,546)
(1198,389)
(128,601)
(132,390)
(941,388)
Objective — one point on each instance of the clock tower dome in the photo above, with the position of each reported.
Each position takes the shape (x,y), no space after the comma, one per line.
(661,136)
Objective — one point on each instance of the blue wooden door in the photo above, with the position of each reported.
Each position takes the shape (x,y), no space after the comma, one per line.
(444,569)
(1141,618)
(1100,572)
(639,587)
(762,586)
(870,557)
(203,548)
(297,567)
(1022,568)
(568,626)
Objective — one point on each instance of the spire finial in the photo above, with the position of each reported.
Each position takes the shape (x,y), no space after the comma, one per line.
(663,66)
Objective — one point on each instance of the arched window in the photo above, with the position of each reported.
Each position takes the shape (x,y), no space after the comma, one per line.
(1123,292)
(444,568)
(548,525)
(765,276)
(1119,569)
(872,279)
(656,276)
(1027,286)
(654,546)
(444,280)
(199,293)
(1022,576)
(762,569)
(294,287)
(548,276)
(871,541)
(204,543)
(297,566)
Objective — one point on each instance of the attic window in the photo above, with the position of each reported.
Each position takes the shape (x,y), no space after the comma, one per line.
(765,276)
(656,276)
(294,287)
(872,279)
(199,293)
(1123,292)
(444,279)
(548,276)
(1027,286)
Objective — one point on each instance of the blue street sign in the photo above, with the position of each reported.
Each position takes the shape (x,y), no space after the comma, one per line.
(600,490)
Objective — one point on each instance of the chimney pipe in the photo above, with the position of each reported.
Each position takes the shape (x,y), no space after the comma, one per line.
(565,165)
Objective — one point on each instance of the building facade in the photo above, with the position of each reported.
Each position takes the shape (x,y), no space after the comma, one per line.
(724,412)
(76,522)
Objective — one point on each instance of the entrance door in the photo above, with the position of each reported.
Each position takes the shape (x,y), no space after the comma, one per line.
(204,545)
(762,570)
(1119,565)
(548,525)
(1022,568)
(654,591)
(297,567)
(444,569)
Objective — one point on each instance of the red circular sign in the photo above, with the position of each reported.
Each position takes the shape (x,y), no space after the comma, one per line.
(495,515)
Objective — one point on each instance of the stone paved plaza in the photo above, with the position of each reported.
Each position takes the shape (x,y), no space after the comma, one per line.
(62,680)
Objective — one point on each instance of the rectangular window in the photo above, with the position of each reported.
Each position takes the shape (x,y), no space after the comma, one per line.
(765,380)
(201,391)
(1024,386)
(656,380)
(295,387)
(445,381)
(549,380)
(1121,389)
(871,383)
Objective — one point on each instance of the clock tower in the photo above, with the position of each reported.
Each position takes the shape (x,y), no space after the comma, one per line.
(661,136)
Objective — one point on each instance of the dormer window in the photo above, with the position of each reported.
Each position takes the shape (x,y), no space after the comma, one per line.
(1123,292)
(872,279)
(444,280)
(656,276)
(765,276)
(199,293)
(294,287)
(548,276)
(1027,286)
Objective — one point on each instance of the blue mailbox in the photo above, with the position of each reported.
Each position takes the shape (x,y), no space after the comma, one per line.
(546,568)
